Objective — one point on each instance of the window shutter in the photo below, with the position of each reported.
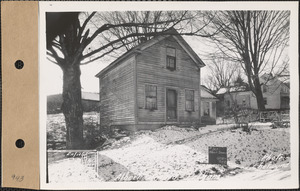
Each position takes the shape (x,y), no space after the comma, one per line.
(189,100)
(178,59)
(163,55)
(151,97)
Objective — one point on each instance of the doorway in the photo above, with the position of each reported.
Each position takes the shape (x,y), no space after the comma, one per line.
(171,105)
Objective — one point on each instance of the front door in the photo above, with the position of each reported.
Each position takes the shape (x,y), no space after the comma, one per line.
(171,105)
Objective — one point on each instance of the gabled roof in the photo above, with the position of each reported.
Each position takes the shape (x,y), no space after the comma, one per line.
(231,89)
(206,94)
(144,45)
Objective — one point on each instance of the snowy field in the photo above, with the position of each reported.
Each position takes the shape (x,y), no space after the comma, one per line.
(171,153)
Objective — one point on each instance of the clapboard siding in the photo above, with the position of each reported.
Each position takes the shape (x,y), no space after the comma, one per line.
(151,69)
(117,94)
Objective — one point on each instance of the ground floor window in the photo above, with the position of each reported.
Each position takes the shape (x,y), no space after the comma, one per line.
(228,103)
(189,100)
(206,111)
(244,102)
(285,102)
(151,97)
(265,101)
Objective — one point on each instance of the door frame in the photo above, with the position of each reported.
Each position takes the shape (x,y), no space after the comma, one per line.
(176,89)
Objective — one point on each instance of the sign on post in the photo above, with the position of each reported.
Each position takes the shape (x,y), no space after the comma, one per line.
(217,155)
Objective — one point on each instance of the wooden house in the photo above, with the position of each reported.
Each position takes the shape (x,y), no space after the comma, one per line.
(153,84)
(276,95)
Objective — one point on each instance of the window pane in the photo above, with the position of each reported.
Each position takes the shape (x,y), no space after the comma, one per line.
(171,62)
(189,105)
(151,102)
(189,100)
(189,95)
(150,91)
(265,101)
(206,109)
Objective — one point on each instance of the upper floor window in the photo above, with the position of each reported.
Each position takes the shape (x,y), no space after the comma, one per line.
(171,58)
(151,97)
(189,100)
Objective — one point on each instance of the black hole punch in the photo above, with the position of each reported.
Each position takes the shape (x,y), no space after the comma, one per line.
(19,64)
(20,143)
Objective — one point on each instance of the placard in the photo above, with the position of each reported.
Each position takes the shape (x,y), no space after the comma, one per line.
(217,155)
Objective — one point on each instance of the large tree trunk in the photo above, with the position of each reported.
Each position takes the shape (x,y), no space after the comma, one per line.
(72,106)
(259,95)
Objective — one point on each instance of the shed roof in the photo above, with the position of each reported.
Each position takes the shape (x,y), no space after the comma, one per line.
(144,45)
(205,93)
(232,89)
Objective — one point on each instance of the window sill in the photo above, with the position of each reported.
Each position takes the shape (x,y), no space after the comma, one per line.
(190,111)
(150,109)
(172,70)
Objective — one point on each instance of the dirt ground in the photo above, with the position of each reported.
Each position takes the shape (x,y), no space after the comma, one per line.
(178,154)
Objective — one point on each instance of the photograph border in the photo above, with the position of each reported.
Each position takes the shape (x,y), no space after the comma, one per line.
(151,6)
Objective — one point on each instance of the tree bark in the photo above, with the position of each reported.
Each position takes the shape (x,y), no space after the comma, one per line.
(259,95)
(72,106)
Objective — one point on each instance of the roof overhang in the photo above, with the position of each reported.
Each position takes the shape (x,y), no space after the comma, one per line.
(111,65)
(153,41)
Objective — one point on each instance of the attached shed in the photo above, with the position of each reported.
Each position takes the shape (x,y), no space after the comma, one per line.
(208,107)
(154,84)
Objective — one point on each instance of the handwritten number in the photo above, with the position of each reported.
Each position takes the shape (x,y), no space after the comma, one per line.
(17,178)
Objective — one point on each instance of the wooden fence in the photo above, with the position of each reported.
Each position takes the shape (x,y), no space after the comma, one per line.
(279,118)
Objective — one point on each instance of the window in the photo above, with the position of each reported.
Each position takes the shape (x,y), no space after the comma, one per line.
(206,109)
(151,97)
(171,58)
(228,103)
(265,88)
(189,100)
(265,101)
(244,102)
(284,90)
(285,102)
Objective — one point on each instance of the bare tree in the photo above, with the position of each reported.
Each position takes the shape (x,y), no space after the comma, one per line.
(256,39)
(91,36)
(221,73)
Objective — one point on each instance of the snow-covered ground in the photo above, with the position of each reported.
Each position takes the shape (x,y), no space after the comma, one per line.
(171,153)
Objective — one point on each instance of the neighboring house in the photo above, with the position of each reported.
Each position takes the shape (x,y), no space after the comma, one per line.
(90,102)
(275,92)
(208,107)
(153,84)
